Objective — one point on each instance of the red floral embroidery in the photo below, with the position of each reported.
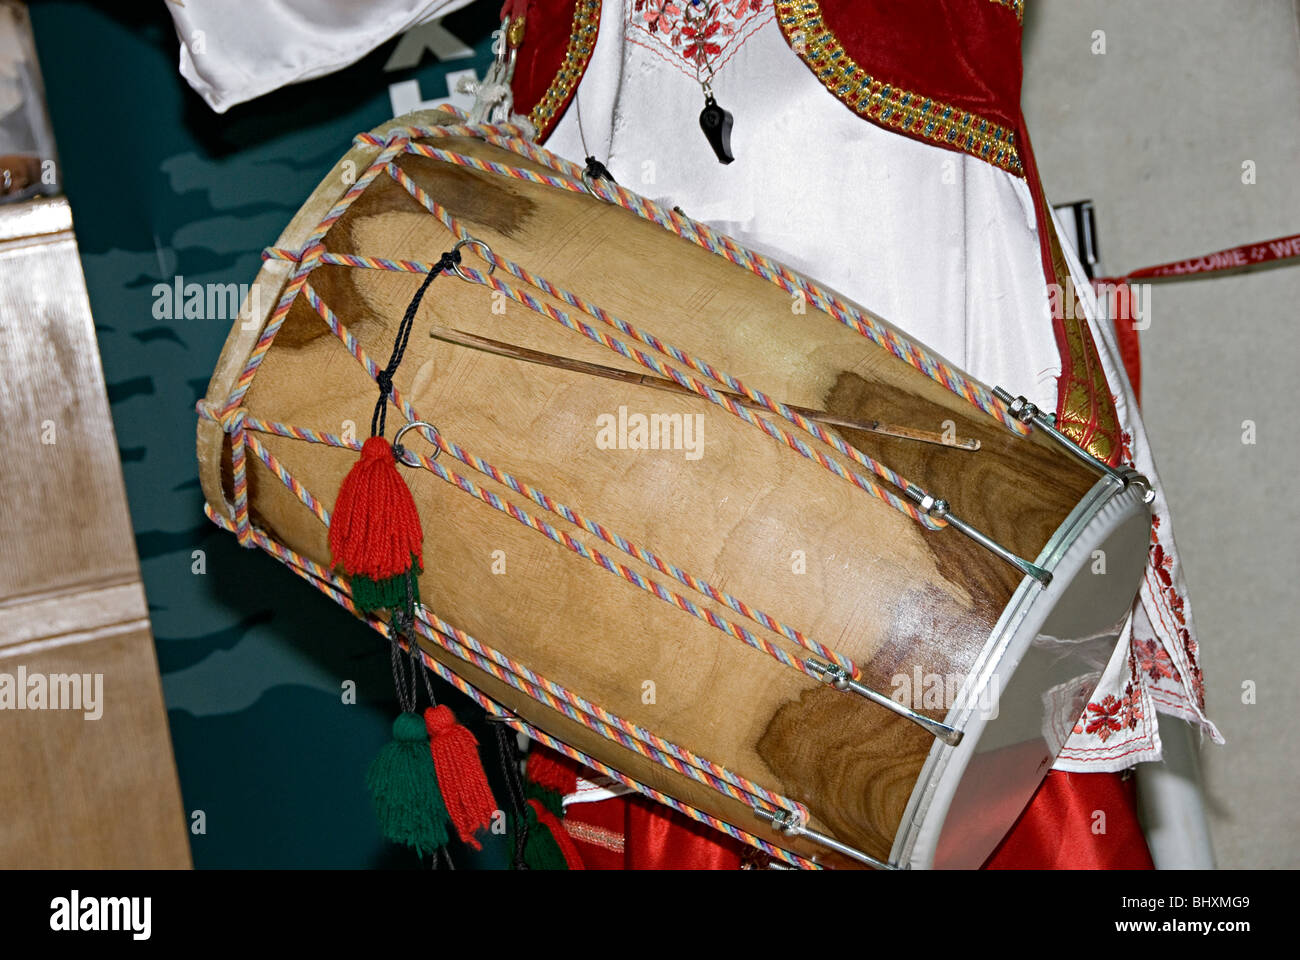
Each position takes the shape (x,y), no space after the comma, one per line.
(1153,660)
(1198,681)
(1125,443)
(700,36)
(1131,706)
(1176,608)
(659,15)
(1112,714)
(1103,718)
(1162,563)
(695,30)
(1149,659)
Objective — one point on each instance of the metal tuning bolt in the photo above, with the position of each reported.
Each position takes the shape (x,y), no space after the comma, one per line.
(1140,482)
(1026,412)
(838,678)
(787,823)
(940,510)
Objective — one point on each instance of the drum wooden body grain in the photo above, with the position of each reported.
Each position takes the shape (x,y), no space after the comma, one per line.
(748,515)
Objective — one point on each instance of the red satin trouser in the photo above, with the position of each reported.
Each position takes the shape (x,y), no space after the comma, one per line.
(1076,821)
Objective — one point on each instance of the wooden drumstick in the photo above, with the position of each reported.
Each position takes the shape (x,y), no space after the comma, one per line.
(514,352)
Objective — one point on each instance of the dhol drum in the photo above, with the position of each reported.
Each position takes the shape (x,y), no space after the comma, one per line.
(688,516)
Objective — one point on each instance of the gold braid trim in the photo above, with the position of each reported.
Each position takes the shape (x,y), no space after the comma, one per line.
(941,123)
(1015,6)
(586,17)
(1087,413)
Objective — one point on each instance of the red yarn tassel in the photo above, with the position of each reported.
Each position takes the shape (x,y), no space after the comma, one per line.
(551,770)
(464,785)
(375,533)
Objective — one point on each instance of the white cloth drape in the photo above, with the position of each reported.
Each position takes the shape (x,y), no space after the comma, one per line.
(236,50)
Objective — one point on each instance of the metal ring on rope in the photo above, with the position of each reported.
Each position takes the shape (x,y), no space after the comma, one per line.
(474,242)
(400,452)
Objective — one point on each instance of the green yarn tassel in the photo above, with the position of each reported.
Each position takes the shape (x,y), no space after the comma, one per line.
(552,800)
(541,852)
(404,787)
(387,594)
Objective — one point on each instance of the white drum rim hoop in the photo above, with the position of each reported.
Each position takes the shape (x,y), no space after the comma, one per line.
(916,840)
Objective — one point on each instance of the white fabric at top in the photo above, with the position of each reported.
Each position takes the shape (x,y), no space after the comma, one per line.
(235,50)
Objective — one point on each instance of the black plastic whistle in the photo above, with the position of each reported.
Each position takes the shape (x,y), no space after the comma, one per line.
(716,124)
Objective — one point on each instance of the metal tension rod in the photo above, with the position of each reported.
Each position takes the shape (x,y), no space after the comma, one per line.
(940,510)
(840,680)
(788,824)
(1026,412)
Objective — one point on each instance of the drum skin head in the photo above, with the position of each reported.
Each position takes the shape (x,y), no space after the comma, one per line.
(1038,674)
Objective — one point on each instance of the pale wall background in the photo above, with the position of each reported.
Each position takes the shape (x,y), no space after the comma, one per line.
(1155,131)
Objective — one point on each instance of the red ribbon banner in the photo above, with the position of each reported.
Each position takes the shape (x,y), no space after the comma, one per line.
(1235,258)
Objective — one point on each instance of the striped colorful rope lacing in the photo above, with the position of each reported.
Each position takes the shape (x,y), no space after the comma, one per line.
(237,422)
(596,718)
(648,584)
(510,138)
(664,370)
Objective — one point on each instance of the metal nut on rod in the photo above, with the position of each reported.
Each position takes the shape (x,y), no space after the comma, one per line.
(1028,413)
(839,678)
(788,824)
(940,510)
(1019,407)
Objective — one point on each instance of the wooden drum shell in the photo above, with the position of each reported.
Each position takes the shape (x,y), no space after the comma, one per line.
(876,586)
